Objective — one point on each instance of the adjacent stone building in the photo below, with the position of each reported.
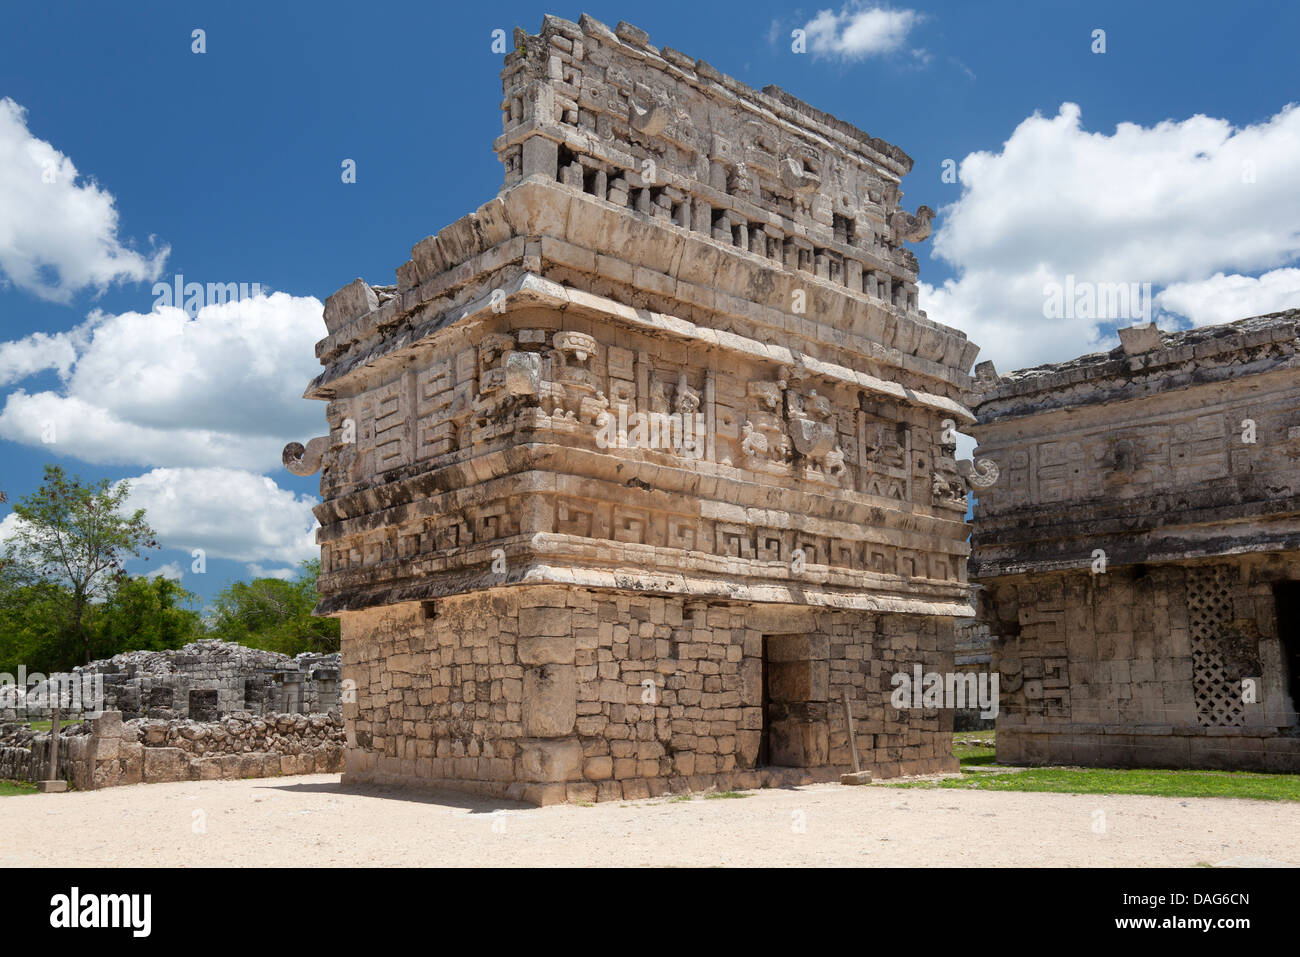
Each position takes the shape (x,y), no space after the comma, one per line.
(972,655)
(646,464)
(204,680)
(1140,550)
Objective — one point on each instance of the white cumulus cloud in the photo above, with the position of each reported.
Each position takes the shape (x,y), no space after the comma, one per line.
(256,570)
(58,232)
(1226,298)
(172,570)
(857,32)
(160,388)
(228,513)
(35,353)
(1179,205)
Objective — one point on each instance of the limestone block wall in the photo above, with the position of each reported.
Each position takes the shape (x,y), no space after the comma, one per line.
(25,754)
(549,694)
(19,761)
(242,745)
(1145,665)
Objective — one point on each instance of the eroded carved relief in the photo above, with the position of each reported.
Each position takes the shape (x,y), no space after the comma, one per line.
(779,421)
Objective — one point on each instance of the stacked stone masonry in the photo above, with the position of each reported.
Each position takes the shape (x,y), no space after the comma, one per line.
(973,655)
(550,694)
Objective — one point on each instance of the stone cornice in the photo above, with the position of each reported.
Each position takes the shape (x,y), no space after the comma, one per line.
(531,290)
(685,269)
(557,559)
(1158,528)
(1201,356)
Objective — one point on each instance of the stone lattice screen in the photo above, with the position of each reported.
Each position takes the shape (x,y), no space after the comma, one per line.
(1209,603)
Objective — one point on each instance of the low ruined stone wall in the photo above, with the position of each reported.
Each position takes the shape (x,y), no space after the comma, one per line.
(241,746)
(107,751)
(19,763)
(25,754)
(550,694)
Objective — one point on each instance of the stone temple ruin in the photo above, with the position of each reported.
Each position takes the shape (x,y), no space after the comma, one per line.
(204,680)
(1140,552)
(208,679)
(644,467)
(209,710)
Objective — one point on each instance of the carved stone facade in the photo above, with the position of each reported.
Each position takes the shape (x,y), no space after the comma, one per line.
(660,419)
(1140,551)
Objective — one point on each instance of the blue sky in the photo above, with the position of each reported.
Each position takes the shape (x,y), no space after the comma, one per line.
(1171,158)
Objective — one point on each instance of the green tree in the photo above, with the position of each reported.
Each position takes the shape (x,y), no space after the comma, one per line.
(148,614)
(73,535)
(274,614)
(141,613)
(33,630)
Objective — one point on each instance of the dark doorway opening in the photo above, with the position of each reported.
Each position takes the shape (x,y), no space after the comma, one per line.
(204,704)
(794,728)
(1286,599)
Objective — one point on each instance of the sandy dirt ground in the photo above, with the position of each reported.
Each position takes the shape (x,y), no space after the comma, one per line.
(312,821)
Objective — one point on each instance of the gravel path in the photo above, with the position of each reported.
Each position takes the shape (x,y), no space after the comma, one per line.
(310,820)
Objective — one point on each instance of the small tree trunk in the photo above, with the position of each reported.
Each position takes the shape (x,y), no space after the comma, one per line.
(78,608)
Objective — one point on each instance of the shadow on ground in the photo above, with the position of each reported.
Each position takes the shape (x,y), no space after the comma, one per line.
(473,803)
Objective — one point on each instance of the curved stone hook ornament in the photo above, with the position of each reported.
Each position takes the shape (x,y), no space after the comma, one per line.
(650,120)
(909,228)
(305,461)
(979,474)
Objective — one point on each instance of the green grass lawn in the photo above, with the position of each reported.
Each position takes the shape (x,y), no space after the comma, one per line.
(45,725)
(980,773)
(10,788)
(974,747)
